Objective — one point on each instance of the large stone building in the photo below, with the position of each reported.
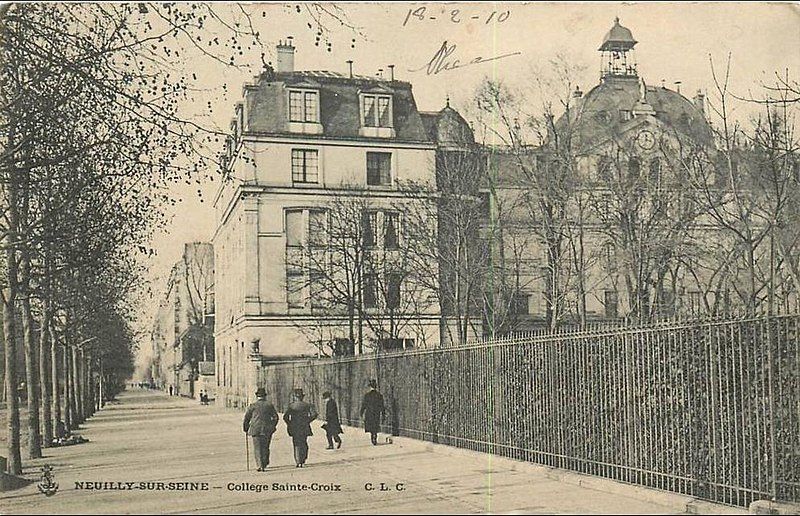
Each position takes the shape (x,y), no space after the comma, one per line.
(182,334)
(597,223)
(310,249)
(594,218)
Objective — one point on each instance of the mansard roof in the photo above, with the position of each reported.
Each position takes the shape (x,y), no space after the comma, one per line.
(339,104)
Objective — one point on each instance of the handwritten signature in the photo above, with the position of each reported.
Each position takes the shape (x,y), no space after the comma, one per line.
(444,60)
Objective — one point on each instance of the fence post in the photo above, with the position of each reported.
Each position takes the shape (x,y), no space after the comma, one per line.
(773,481)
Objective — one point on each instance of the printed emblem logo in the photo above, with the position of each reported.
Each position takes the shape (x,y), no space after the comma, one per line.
(47,484)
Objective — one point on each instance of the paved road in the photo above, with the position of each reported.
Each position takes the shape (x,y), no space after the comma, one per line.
(149,437)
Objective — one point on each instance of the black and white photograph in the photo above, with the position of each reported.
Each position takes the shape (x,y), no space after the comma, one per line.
(400,258)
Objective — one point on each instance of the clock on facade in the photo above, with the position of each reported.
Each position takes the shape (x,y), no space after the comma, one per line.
(645,139)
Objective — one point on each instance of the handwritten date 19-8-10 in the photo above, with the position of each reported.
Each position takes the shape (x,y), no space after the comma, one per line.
(455,16)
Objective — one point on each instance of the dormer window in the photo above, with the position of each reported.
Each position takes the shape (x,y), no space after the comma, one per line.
(303,106)
(377,113)
(376,110)
(303,113)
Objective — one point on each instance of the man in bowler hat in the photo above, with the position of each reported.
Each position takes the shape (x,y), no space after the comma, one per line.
(298,418)
(372,410)
(332,426)
(260,421)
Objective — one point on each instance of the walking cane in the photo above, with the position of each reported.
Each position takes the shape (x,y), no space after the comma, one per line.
(247,450)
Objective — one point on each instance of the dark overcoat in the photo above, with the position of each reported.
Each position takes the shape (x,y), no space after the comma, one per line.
(298,418)
(261,418)
(332,424)
(372,410)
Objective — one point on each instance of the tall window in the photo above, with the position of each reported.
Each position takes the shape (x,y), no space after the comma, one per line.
(305,166)
(370,228)
(655,171)
(303,106)
(370,291)
(295,237)
(379,168)
(393,281)
(604,168)
(317,228)
(376,111)
(390,236)
(610,301)
(634,167)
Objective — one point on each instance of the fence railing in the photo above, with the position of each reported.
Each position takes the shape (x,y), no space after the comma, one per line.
(710,409)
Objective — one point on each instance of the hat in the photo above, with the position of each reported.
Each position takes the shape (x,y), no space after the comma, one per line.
(299,393)
(373,384)
(261,392)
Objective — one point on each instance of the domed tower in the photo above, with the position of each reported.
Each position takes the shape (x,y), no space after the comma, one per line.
(618,59)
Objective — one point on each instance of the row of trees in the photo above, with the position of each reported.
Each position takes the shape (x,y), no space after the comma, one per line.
(94,133)
(91,138)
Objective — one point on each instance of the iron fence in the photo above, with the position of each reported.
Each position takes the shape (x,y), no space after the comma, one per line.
(707,408)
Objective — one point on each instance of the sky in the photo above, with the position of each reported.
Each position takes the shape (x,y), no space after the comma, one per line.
(674,44)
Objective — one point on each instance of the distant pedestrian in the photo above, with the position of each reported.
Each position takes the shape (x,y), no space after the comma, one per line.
(332,426)
(298,417)
(170,390)
(372,410)
(260,422)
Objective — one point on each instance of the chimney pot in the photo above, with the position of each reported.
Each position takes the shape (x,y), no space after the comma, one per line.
(285,60)
(700,101)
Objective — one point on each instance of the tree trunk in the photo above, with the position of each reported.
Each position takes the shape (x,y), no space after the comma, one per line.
(76,389)
(44,377)
(69,421)
(54,377)
(14,465)
(31,377)
(88,404)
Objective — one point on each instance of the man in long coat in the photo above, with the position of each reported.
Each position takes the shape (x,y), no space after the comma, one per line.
(372,410)
(298,418)
(260,421)
(332,426)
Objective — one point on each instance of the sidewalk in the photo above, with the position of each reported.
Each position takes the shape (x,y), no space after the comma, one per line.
(149,437)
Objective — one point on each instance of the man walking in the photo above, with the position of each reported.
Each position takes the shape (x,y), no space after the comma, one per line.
(260,421)
(298,418)
(332,426)
(372,410)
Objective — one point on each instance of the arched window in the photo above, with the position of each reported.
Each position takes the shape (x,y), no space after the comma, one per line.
(604,168)
(634,168)
(655,171)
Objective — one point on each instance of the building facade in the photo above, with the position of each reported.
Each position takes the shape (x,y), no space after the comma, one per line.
(182,334)
(331,179)
(600,217)
(312,257)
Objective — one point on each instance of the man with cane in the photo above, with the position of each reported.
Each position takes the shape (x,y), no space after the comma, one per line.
(260,421)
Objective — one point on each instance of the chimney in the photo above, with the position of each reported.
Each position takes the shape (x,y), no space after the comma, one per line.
(379,75)
(285,56)
(678,86)
(350,64)
(700,102)
(577,93)
(391,72)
